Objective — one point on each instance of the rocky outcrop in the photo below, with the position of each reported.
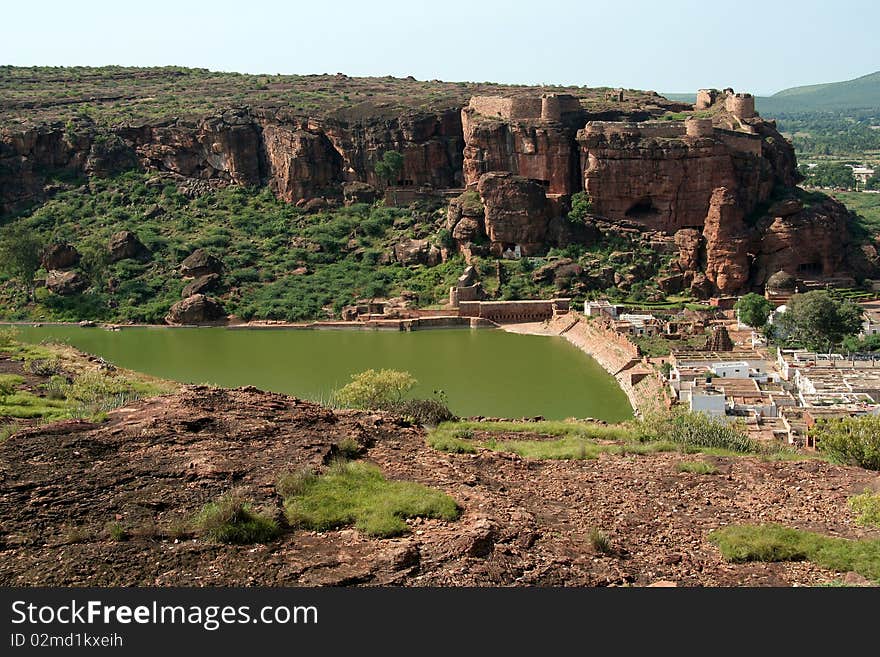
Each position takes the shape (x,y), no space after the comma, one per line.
(811,243)
(200,263)
(417,252)
(202,285)
(226,147)
(65,283)
(545,152)
(125,244)
(516,212)
(726,238)
(60,256)
(301,163)
(197,309)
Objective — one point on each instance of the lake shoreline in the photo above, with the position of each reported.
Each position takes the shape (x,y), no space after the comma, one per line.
(407,324)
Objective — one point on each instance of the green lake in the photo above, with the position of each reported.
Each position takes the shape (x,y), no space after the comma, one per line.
(483,372)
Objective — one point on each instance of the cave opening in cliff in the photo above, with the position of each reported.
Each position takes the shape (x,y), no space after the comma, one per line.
(810,268)
(643,208)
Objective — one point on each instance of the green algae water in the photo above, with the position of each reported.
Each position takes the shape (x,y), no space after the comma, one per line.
(483,372)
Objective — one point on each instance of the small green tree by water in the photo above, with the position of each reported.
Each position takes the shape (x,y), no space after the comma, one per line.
(375,389)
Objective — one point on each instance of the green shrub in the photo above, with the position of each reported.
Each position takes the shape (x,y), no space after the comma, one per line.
(850,440)
(229,519)
(427,412)
(866,507)
(697,430)
(43,366)
(375,389)
(357,493)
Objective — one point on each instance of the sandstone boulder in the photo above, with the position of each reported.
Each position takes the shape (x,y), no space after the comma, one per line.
(125,244)
(200,263)
(557,271)
(65,283)
(60,256)
(202,285)
(726,236)
(516,212)
(197,309)
(417,252)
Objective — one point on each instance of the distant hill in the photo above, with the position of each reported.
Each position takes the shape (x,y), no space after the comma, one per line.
(858,94)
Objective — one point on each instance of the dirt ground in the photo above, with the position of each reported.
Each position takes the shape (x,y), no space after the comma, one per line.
(153,465)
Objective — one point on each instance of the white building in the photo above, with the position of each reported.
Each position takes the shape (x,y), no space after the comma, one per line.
(710,401)
(600,307)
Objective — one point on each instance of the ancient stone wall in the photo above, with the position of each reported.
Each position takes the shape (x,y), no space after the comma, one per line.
(658,129)
(741,142)
(508,107)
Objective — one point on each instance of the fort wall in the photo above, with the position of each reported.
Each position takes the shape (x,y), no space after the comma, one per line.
(503,312)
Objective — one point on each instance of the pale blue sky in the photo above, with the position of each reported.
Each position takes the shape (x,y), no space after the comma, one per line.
(671,45)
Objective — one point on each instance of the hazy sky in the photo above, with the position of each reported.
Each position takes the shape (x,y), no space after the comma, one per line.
(669,45)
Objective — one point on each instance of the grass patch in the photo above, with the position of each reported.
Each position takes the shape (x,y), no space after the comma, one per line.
(229,519)
(6,430)
(357,493)
(696,467)
(743,543)
(866,508)
(600,541)
(117,532)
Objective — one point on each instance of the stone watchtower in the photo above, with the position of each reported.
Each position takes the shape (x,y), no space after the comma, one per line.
(553,106)
(742,106)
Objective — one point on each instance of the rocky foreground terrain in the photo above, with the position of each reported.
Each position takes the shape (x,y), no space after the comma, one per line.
(153,465)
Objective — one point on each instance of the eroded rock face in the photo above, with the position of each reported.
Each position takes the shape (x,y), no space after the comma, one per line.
(60,256)
(810,243)
(301,163)
(197,309)
(200,263)
(225,147)
(516,212)
(546,152)
(65,283)
(125,244)
(726,237)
